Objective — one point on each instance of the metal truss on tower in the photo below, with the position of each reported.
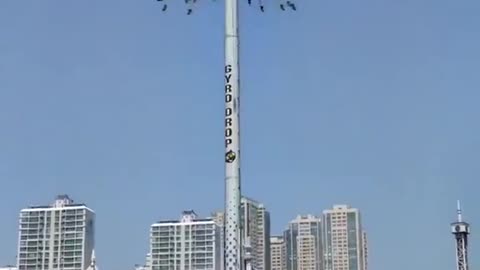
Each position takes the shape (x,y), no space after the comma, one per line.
(461,230)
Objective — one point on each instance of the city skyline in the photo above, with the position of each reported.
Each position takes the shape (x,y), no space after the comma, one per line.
(324,229)
(184,228)
(373,104)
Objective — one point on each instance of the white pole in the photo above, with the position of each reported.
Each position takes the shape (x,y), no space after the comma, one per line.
(459,211)
(233,240)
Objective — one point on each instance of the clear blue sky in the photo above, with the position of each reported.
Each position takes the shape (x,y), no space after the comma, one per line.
(372,103)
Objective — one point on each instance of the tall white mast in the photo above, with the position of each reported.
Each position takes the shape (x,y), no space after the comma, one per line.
(233,240)
(459,211)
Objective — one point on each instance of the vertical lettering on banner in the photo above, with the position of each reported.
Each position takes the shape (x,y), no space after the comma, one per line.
(230,155)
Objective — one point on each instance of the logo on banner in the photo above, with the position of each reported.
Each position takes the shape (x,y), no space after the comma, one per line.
(230,156)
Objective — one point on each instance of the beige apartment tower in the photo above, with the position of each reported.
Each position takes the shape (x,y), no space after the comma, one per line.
(343,239)
(277,253)
(303,243)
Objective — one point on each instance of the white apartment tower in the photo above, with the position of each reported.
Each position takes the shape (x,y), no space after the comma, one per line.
(304,244)
(56,237)
(277,253)
(255,221)
(343,239)
(190,243)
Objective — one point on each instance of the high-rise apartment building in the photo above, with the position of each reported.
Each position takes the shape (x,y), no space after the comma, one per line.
(56,237)
(190,243)
(303,243)
(365,251)
(255,221)
(278,253)
(343,239)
